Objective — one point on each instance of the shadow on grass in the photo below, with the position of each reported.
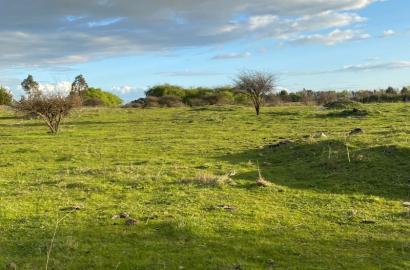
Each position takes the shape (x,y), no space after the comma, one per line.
(170,245)
(346,113)
(324,167)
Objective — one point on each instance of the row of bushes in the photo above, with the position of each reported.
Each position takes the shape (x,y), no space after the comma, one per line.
(175,96)
(91,97)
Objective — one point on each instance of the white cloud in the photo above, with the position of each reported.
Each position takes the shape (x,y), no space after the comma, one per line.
(77,31)
(63,87)
(378,66)
(256,22)
(388,33)
(335,37)
(234,55)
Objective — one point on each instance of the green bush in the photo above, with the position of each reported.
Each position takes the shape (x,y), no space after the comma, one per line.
(342,104)
(166,90)
(98,97)
(6,98)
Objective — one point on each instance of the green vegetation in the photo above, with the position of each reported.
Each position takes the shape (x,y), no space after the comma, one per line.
(6,98)
(98,97)
(187,177)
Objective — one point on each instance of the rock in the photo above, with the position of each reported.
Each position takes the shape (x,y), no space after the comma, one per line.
(124,215)
(281,143)
(232,173)
(356,131)
(406,204)
(320,135)
(226,207)
(72,208)
(263,183)
(12,266)
(368,222)
(131,222)
(121,215)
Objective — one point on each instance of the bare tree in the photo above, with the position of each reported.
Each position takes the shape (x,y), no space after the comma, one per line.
(257,85)
(51,107)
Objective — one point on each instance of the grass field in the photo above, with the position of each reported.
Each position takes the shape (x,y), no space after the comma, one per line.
(187,176)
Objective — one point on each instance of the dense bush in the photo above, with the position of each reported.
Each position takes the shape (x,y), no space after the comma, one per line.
(175,96)
(6,98)
(342,104)
(166,90)
(98,97)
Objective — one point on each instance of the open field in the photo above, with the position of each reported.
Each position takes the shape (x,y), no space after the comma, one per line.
(188,177)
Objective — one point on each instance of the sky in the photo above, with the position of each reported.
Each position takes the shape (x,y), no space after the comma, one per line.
(126,46)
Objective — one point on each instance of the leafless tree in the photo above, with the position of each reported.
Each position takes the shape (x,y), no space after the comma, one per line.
(257,85)
(51,107)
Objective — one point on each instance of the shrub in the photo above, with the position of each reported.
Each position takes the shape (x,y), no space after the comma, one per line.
(170,101)
(152,101)
(98,97)
(52,108)
(6,98)
(166,90)
(139,103)
(342,104)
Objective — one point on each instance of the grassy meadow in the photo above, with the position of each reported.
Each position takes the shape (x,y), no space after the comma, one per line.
(187,177)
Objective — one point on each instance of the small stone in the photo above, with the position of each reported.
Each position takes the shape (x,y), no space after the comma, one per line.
(263,183)
(226,207)
(12,266)
(124,215)
(121,215)
(281,143)
(406,204)
(356,131)
(131,222)
(72,208)
(320,135)
(368,222)
(232,173)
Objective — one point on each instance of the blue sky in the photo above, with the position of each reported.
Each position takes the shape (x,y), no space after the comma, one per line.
(126,46)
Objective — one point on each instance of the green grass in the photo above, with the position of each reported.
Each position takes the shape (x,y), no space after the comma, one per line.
(168,167)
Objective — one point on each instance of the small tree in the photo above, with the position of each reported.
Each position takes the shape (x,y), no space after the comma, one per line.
(257,85)
(51,107)
(6,98)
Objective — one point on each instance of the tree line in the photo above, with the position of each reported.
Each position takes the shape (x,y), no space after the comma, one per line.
(249,88)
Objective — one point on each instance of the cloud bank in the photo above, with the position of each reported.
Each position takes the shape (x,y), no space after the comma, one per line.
(51,33)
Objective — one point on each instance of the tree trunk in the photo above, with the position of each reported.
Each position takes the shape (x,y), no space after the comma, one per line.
(257,109)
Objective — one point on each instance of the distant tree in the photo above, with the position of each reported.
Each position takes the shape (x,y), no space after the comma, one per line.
(30,86)
(404,91)
(307,96)
(6,98)
(390,90)
(257,85)
(79,87)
